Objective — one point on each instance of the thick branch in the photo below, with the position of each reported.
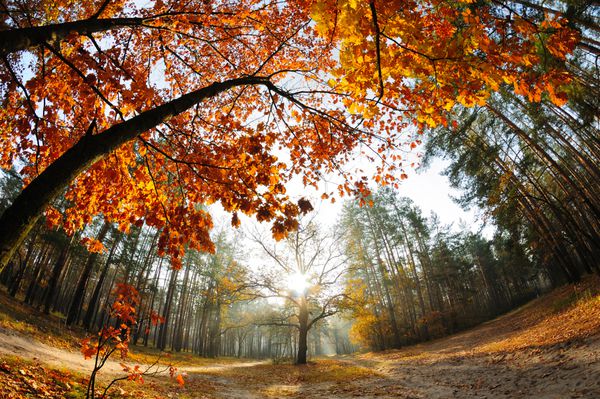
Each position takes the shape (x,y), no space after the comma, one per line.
(377,46)
(322,316)
(13,40)
(19,218)
(275,324)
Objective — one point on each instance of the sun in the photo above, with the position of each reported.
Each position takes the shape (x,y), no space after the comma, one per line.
(297,283)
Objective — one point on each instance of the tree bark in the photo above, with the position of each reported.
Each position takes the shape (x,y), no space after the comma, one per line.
(18,277)
(302,331)
(53,282)
(164,328)
(92,307)
(13,40)
(77,300)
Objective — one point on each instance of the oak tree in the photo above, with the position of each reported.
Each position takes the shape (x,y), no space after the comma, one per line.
(142,113)
(307,274)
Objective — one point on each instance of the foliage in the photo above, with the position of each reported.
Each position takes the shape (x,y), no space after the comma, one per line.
(111,339)
(20,379)
(244,102)
(412,279)
(117,114)
(430,55)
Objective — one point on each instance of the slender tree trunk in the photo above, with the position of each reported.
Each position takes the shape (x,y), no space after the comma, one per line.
(164,328)
(179,325)
(16,280)
(154,291)
(56,271)
(92,308)
(41,264)
(77,302)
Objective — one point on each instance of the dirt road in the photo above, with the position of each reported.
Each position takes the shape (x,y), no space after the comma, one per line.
(432,371)
(548,349)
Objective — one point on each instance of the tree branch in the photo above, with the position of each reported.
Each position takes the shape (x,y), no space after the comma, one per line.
(377,45)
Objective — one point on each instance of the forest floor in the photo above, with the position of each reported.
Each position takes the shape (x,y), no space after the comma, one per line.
(549,348)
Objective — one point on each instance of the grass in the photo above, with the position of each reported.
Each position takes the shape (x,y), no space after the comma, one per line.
(320,371)
(29,321)
(286,380)
(148,355)
(21,378)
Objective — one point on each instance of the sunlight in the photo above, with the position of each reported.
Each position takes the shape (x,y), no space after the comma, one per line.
(297,283)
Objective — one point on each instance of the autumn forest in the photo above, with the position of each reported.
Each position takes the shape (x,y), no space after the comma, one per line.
(209,199)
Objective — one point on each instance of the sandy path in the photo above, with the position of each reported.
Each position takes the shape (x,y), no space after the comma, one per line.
(447,368)
(225,387)
(15,344)
(568,372)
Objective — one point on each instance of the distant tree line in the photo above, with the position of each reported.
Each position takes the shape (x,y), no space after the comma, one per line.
(530,167)
(413,279)
(208,307)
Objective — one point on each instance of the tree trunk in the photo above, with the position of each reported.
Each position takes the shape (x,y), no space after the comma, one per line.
(16,280)
(41,264)
(92,307)
(56,271)
(179,325)
(77,300)
(13,40)
(151,307)
(302,331)
(164,328)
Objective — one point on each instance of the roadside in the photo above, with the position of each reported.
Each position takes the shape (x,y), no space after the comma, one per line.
(547,349)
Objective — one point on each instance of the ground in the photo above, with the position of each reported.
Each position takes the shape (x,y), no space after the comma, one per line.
(550,348)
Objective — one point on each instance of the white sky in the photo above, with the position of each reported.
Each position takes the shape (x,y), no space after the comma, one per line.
(429,189)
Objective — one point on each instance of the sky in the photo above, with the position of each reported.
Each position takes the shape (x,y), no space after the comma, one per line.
(428,188)
(431,191)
